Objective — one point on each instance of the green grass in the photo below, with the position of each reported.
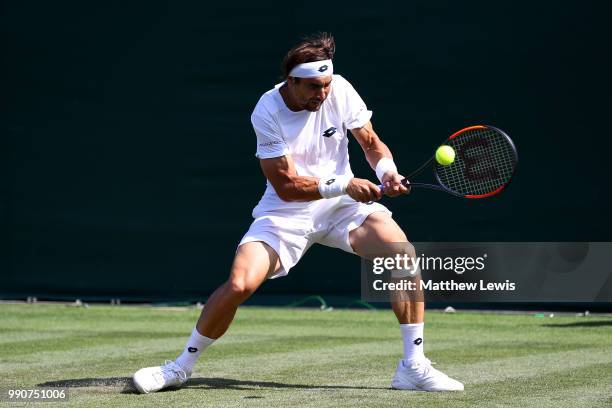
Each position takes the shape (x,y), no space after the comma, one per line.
(281,357)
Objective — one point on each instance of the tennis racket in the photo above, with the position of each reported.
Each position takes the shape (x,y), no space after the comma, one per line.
(485,162)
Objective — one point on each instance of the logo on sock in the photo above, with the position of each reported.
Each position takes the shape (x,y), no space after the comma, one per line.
(418,341)
(192,349)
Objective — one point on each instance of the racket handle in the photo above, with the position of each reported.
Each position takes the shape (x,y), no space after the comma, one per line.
(406,183)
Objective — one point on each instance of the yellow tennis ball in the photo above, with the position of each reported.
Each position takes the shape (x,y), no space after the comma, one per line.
(445,155)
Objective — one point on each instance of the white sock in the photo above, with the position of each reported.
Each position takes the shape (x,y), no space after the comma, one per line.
(194,347)
(413,341)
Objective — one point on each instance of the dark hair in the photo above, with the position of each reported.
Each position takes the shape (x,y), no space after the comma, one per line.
(318,47)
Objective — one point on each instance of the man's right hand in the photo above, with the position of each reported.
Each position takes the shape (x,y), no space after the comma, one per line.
(363,190)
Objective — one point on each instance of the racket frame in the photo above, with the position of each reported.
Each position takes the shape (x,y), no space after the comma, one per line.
(441,187)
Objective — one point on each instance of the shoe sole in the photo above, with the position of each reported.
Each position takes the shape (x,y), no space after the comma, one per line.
(138,387)
(412,387)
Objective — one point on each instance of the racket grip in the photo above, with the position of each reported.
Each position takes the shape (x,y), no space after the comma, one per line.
(405,182)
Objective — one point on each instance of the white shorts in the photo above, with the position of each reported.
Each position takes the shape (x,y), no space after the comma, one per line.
(290,232)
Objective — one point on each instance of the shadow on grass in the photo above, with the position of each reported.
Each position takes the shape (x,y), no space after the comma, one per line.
(127,387)
(229,383)
(125,383)
(591,323)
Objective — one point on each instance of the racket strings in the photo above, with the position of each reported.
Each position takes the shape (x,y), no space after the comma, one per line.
(485,161)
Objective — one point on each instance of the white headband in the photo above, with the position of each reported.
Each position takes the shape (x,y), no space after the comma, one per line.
(313,69)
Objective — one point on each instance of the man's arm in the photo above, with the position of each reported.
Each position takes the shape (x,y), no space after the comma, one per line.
(375,150)
(291,187)
(288,185)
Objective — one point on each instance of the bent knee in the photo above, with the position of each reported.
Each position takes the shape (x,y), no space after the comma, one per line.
(240,287)
(406,248)
(384,229)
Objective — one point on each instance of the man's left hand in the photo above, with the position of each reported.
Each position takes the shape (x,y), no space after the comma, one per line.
(392,185)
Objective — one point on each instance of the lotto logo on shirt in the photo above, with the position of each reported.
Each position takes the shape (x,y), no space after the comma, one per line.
(329,132)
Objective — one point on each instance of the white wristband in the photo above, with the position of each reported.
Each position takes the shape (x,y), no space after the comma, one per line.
(333,186)
(384,165)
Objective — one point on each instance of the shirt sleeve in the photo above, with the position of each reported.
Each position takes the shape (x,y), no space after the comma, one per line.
(270,142)
(356,114)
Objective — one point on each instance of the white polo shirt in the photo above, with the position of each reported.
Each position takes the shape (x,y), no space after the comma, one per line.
(317,141)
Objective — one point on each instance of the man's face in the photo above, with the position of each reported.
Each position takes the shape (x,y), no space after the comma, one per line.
(309,93)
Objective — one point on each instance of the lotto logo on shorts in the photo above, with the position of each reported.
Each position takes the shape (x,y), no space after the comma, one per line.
(328,182)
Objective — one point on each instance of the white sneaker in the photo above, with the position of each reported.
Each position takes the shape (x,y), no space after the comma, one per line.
(421,376)
(153,379)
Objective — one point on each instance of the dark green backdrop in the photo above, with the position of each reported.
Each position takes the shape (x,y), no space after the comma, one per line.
(127,152)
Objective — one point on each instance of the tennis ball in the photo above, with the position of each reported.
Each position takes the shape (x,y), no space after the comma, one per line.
(445,155)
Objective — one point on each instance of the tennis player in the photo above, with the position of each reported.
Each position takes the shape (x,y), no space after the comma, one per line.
(312,197)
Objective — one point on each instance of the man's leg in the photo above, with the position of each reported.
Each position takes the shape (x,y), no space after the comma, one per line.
(379,228)
(414,370)
(253,263)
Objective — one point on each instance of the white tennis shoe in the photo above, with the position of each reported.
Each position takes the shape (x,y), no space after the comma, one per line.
(421,376)
(153,379)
